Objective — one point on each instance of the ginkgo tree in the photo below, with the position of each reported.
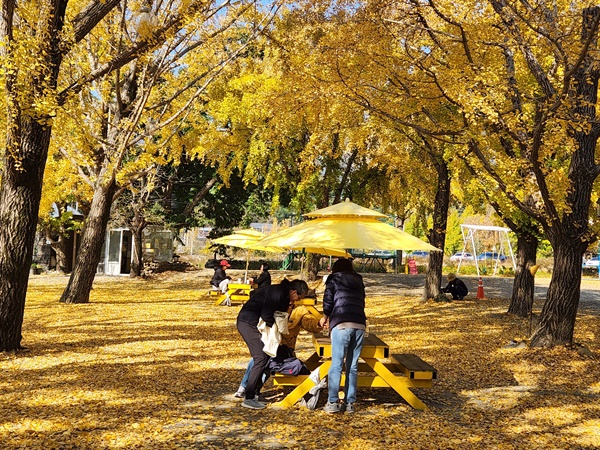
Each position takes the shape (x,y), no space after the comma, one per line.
(351,54)
(419,73)
(63,194)
(525,78)
(36,38)
(292,139)
(143,116)
(277,120)
(322,146)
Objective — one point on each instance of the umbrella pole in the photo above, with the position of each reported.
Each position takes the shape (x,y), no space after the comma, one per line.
(247,262)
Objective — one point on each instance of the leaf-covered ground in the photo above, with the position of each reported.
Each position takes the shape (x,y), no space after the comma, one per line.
(153,364)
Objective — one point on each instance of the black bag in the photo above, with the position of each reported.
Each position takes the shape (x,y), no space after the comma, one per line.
(285,362)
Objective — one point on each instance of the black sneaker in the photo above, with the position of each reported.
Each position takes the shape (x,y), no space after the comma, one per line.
(252,403)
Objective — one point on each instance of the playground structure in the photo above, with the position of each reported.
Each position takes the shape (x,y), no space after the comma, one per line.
(501,234)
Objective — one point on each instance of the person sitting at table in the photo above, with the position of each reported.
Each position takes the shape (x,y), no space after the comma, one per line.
(344,314)
(264,279)
(263,304)
(456,287)
(220,280)
(300,319)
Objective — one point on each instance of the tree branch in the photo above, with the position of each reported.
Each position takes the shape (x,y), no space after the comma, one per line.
(502,9)
(158,36)
(463,35)
(474,147)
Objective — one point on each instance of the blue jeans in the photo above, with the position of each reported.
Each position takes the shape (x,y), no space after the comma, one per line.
(244,382)
(247,374)
(344,342)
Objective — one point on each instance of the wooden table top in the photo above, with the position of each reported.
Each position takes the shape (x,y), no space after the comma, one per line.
(373,347)
(244,286)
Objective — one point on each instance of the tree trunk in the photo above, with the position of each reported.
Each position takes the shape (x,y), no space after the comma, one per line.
(137,225)
(61,257)
(312,266)
(137,263)
(557,319)
(398,260)
(92,240)
(20,193)
(570,237)
(437,235)
(521,302)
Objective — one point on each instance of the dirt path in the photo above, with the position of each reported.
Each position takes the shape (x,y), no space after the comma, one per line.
(494,287)
(412,285)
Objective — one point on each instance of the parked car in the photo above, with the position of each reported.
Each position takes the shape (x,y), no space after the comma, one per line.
(491,255)
(419,254)
(591,263)
(462,256)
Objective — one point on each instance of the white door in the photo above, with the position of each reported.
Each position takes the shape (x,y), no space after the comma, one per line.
(113,257)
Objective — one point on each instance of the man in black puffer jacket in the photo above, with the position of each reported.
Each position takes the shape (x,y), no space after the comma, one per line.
(344,311)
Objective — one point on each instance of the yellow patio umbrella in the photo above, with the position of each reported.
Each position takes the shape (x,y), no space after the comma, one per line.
(347,225)
(247,239)
(250,238)
(345,209)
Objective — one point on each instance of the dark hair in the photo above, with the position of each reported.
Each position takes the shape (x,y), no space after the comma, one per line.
(265,266)
(342,265)
(299,286)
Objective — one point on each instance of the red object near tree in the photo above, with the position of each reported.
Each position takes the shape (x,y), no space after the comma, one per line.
(412,267)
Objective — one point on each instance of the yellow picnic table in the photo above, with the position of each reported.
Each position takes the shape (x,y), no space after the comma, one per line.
(402,373)
(236,291)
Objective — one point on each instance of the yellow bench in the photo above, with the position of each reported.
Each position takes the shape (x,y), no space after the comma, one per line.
(414,367)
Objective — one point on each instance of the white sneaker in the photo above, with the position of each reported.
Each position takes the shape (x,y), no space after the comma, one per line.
(241,392)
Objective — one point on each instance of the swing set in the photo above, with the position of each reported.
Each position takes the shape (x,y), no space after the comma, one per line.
(501,238)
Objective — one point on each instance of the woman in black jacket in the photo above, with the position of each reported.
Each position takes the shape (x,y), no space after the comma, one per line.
(264,279)
(344,310)
(262,304)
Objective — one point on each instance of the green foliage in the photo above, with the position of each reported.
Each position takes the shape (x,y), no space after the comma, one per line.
(257,207)
(506,271)
(545,249)
(417,224)
(454,238)
(223,206)
(62,225)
